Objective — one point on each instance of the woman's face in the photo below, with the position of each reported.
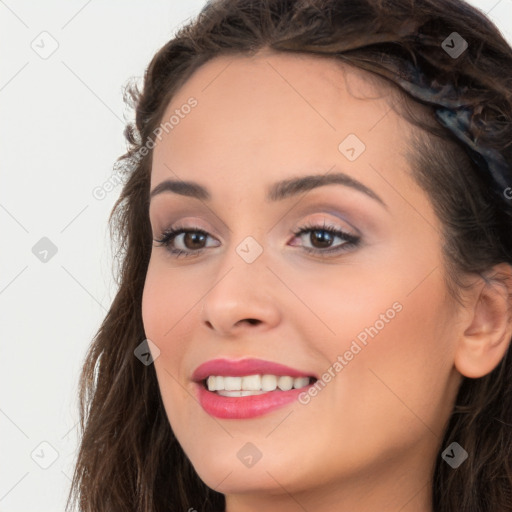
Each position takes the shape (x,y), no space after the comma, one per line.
(367,314)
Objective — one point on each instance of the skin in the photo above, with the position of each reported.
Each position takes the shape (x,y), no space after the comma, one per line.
(370,437)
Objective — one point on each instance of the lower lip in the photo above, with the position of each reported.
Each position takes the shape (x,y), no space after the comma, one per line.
(244,407)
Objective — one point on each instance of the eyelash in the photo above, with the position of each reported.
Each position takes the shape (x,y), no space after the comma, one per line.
(350,240)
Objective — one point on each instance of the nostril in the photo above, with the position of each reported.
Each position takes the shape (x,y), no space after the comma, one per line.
(252,321)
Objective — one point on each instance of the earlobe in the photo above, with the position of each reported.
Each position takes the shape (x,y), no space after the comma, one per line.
(484,342)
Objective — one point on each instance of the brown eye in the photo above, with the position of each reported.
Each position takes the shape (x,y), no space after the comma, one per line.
(189,241)
(322,238)
(193,240)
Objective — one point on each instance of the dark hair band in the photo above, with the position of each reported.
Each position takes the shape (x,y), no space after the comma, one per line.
(455,114)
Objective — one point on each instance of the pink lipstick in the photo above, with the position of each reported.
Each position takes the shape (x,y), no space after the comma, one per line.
(246,388)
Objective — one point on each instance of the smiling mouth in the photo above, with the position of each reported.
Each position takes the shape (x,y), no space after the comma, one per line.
(251,385)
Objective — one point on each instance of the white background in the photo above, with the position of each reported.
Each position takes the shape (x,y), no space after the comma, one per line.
(62,121)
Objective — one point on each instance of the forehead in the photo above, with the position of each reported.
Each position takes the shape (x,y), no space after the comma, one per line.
(274,113)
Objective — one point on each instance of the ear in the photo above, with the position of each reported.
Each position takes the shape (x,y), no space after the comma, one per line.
(488,328)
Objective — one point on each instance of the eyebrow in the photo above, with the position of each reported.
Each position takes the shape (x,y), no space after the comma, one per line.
(276,192)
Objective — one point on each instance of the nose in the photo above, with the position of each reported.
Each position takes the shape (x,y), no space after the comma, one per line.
(242,298)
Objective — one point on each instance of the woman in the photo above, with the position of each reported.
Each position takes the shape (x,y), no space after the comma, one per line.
(314,306)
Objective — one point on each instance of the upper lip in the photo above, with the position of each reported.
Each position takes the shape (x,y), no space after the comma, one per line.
(242,367)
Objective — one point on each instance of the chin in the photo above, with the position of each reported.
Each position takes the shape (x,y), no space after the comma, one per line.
(224,471)
(240,480)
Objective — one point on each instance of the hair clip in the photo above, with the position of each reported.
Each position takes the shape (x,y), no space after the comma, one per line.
(454,113)
(458,122)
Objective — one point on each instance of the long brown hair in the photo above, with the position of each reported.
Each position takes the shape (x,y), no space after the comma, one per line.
(129,458)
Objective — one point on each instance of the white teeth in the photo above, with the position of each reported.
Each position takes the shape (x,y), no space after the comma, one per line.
(285,383)
(300,382)
(215,383)
(268,382)
(232,383)
(253,384)
(240,393)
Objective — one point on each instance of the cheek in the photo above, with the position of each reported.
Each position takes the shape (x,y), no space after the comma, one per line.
(162,309)
(399,376)
(395,340)
(167,299)
(164,315)
(154,302)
